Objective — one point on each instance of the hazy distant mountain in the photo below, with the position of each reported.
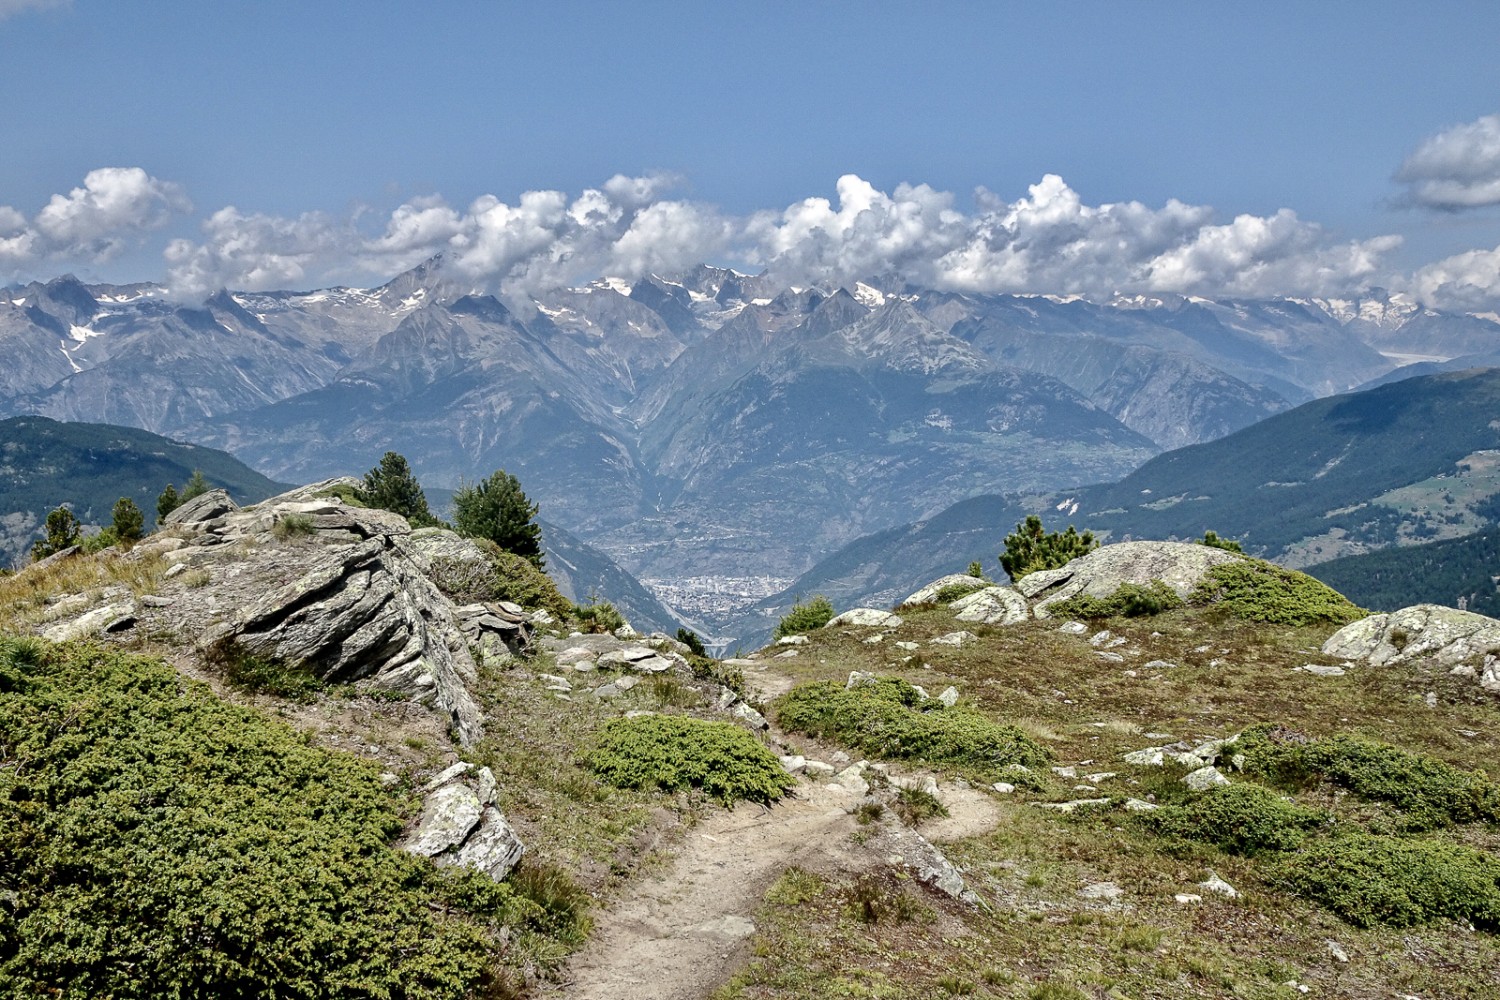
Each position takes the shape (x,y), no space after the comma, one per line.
(706,423)
(44,464)
(1414,461)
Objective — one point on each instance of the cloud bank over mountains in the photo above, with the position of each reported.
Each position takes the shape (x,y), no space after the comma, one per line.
(1049,240)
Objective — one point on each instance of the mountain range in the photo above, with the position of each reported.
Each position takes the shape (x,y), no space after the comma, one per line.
(708,425)
(1403,464)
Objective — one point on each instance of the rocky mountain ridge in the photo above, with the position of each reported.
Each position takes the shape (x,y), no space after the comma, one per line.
(709,424)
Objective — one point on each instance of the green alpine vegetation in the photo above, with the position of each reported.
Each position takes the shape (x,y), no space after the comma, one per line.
(677,753)
(158,842)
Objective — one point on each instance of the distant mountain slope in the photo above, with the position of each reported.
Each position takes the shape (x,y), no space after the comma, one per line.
(1447,572)
(707,423)
(45,463)
(1400,464)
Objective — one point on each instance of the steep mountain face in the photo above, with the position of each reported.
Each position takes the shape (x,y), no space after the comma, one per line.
(708,423)
(1413,461)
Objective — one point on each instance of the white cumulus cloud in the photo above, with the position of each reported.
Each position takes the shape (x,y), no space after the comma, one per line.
(254,252)
(1457,168)
(1467,281)
(1050,240)
(94,222)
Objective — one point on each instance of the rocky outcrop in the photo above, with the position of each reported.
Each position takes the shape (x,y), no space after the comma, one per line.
(1180,565)
(462,825)
(204,507)
(306,579)
(952,582)
(992,606)
(1462,640)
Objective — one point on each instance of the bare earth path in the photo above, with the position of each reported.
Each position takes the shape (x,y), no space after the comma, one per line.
(679,934)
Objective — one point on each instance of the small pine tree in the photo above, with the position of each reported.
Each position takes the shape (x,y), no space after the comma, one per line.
(167,502)
(1213,541)
(690,639)
(129,522)
(806,617)
(1031,547)
(392,486)
(497,509)
(63,531)
(196,486)
(976,570)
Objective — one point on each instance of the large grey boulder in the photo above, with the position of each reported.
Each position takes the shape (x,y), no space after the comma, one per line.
(992,606)
(1451,638)
(1180,565)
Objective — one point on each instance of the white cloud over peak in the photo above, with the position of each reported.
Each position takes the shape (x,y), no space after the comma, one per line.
(1048,240)
(1468,281)
(254,252)
(1457,168)
(94,222)
(1052,241)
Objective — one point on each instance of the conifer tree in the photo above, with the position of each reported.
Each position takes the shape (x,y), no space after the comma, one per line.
(1030,547)
(167,502)
(497,509)
(129,522)
(392,486)
(63,530)
(196,486)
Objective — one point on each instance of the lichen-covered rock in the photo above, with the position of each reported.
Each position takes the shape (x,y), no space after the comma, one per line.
(1179,565)
(309,580)
(1450,637)
(204,507)
(992,606)
(929,594)
(866,617)
(461,825)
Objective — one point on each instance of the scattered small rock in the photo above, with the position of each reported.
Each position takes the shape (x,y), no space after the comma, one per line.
(1160,665)
(1003,787)
(1321,670)
(792,640)
(1101,890)
(1184,898)
(949,696)
(1140,805)
(953,639)
(1204,778)
(1074,628)
(1215,884)
(1337,951)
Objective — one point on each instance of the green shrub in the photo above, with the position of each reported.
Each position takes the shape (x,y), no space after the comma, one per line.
(261,674)
(1213,541)
(1429,792)
(690,639)
(1371,880)
(1263,592)
(953,591)
(1242,818)
(294,526)
(888,718)
(917,805)
(804,618)
(677,752)
(1030,548)
(1130,600)
(100,540)
(158,842)
(504,576)
(599,616)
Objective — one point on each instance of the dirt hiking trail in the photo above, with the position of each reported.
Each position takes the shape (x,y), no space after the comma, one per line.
(680,933)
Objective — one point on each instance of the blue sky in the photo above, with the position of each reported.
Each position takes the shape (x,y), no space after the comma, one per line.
(317,121)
